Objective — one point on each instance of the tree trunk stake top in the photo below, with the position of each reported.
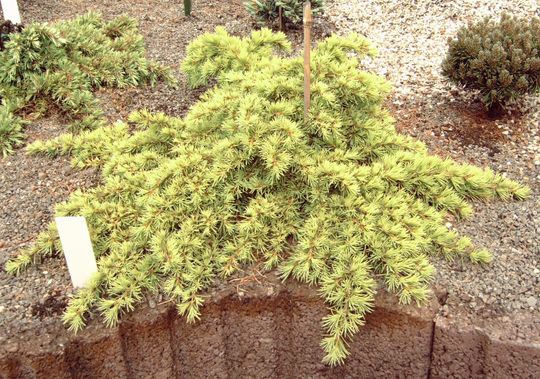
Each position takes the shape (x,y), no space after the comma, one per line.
(11,11)
(308,21)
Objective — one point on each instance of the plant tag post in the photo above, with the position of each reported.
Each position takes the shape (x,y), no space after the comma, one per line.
(308,22)
(77,249)
(10,8)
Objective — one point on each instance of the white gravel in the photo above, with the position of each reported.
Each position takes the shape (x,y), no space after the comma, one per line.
(411,36)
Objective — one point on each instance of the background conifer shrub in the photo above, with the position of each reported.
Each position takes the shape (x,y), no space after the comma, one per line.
(267,11)
(501,59)
(336,201)
(62,64)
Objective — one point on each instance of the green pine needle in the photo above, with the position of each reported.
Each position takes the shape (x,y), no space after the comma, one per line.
(481,257)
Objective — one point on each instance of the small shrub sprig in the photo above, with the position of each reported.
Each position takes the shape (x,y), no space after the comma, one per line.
(62,64)
(501,59)
(267,11)
(335,201)
(11,131)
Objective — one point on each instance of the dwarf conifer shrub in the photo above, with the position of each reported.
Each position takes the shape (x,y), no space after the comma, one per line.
(60,65)
(500,59)
(267,11)
(337,201)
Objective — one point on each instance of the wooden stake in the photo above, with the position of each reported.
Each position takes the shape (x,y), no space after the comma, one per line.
(308,22)
(280,18)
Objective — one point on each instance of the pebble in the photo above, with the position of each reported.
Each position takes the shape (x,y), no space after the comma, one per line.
(444,310)
(12,347)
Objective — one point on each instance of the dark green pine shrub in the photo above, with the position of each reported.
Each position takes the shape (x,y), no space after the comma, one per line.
(60,65)
(267,11)
(337,201)
(500,59)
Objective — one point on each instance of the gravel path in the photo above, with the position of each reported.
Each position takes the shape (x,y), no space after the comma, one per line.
(412,41)
(411,37)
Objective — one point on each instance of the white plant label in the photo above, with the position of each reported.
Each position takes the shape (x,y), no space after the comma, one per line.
(11,11)
(77,249)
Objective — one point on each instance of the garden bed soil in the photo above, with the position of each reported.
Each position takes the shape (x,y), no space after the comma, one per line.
(501,300)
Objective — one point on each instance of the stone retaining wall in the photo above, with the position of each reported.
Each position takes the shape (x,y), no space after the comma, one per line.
(271,332)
